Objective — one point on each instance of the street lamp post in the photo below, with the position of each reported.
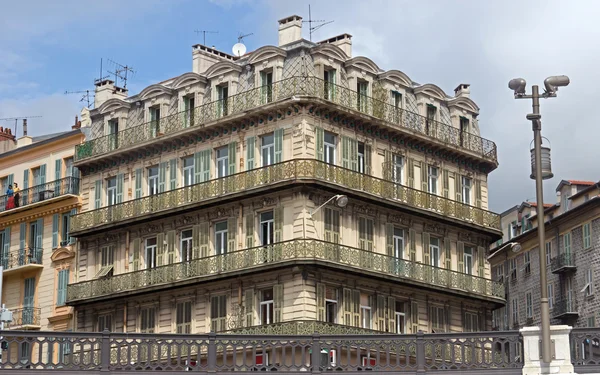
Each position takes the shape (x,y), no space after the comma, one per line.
(551,86)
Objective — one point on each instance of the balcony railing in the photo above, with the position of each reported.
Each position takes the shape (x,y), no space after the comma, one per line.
(39,193)
(21,257)
(285,252)
(562,263)
(302,327)
(26,316)
(284,89)
(297,169)
(477,353)
(565,308)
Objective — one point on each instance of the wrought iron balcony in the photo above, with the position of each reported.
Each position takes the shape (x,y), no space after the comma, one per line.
(301,327)
(301,87)
(22,259)
(563,263)
(297,170)
(565,308)
(281,254)
(26,318)
(35,194)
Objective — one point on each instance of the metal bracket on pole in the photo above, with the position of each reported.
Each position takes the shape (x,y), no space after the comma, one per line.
(552,349)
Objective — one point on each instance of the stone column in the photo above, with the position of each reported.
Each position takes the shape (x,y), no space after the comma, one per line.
(561,354)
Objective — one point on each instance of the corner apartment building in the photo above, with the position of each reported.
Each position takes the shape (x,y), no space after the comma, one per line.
(38,252)
(572,226)
(294,189)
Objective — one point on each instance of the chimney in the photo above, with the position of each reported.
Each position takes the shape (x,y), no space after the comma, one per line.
(344,41)
(24,127)
(204,57)
(105,90)
(7,140)
(77,124)
(290,30)
(462,91)
(25,140)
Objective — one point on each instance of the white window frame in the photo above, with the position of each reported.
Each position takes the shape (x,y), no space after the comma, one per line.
(587,238)
(153,180)
(329,148)
(468,259)
(432,179)
(398,243)
(434,252)
(588,289)
(111,191)
(529,305)
(181,326)
(222,161)
(150,253)
(550,295)
(548,251)
(361,157)
(150,312)
(527,263)
(567,243)
(267,150)
(221,238)
(269,224)
(438,319)
(188,171)
(186,242)
(366,317)
(268,306)
(466,190)
(331,303)
(398,169)
(471,323)
(515,312)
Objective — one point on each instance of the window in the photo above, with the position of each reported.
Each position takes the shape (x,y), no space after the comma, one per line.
(397,99)
(437,319)
(106,261)
(68,167)
(398,166)
(527,263)
(154,121)
(218,313)
(61,293)
(266,228)
(221,238)
(500,273)
(147,319)
(565,201)
(33,232)
(64,233)
(361,99)
(151,253)
(466,190)
(266,306)
(113,130)
(188,171)
(332,225)
(329,86)
(186,245)
(529,305)
(591,321)
(464,129)
(567,242)
(550,296)
(366,317)
(153,180)
(365,233)
(431,112)
(398,243)
(513,269)
(329,146)
(105,322)
(222,161)
(468,260)
(400,317)
(471,323)
(267,149)
(361,157)
(513,230)
(64,350)
(587,235)
(589,283)
(188,108)
(25,355)
(222,96)
(331,305)
(111,191)
(183,317)
(434,251)
(37,176)
(548,253)
(433,179)
(515,312)
(267,86)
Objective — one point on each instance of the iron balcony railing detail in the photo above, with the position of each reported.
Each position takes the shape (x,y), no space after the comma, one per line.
(42,192)
(311,87)
(26,316)
(294,250)
(562,261)
(297,169)
(585,349)
(300,327)
(21,257)
(565,306)
(95,353)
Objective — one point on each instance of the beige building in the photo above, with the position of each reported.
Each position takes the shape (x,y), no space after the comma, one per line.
(207,199)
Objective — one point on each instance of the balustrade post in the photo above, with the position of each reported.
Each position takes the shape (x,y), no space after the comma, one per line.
(104,351)
(212,353)
(420,352)
(315,355)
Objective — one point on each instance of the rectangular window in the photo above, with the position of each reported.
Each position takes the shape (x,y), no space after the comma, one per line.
(398,243)
(151,253)
(365,233)
(36,175)
(222,161)
(221,238)
(266,228)
(147,319)
(464,130)
(400,317)
(471,323)
(515,312)
(527,263)
(396,99)
(332,225)
(61,293)
(513,269)
(434,251)
(188,107)
(183,319)
(529,305)
(550,296)
(331,305)
(567,242)
(500,273)
(154,121)
(361,157)
(105,322)
(106,257)
(68,167)
(466,190)
(591,322)
(267,86)
(218,313)
(266,306)
(366,316)
(222,96)
(589,283)
(398,167)
(186,245)
(587,235)
(362,89)
(267,149)
(433,180)
(153,180)
(514,232)
(468,259)
(548,253)
(113,131)
(329,147)
(329,86)
(64,230)
(111,191)
(437,319)
(188,171)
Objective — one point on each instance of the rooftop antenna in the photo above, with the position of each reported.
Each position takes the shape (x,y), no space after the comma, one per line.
(310,22)
(121,72)
(239,49)
(204,32)
(17,119)
(86,95)
(101,78)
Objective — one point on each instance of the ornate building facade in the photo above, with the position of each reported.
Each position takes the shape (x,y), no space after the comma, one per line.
(202,199)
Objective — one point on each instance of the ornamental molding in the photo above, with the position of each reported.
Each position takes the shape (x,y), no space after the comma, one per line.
(435,228)
(362,209)
(221,213)
(150,229)
(399,219)
(184,220)
(107,239)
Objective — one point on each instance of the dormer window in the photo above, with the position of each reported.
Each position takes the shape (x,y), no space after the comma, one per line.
(154,121)
(266,83)
(113,134)
(431,112)
(329,85)
(188,110)
(464,130)
(222,96)
(362,89)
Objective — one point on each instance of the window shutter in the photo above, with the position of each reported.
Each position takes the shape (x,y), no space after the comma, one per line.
(367,159)
(98,194)
(353,154)
(447,317)
(39,240)
(263,87)
(320,302)
(425,245)
(448,247)
(232,157)
(250,145)
(249,308)
(214,313)
(277,303)
(198,167)
(10,179)
(160,249)
(26,179)
(162,177)
(205,167)
(278,224)
(138,183)
(391,314)
(424,174)
(250,230)
(6,244)
(458,187)
(171,247)
(389,239)
(346,152)
(460,250)
(136,254)
(173,174)
(413,244)
(57,170)
(478,193)
(196,241)
(120,178)
(335,226)
(414,316)
(204,228)
(22,236)
(231,234)
(411,173)
(42,174)
(446,179)
(356,307)
(388,166)
(381,312)
(347,306)
(481,260)
(55,222)
(319,136)
(278,145)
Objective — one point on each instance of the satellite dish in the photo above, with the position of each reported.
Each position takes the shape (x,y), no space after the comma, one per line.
(239,49)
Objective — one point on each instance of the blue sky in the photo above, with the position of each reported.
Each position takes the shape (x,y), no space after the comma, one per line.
(49,47)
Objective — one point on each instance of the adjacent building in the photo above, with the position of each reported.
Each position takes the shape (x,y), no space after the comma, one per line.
(297,188)
(571,250)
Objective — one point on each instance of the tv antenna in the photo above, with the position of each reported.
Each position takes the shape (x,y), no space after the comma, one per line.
(241,37)
(204,32)
(310,22)
(239,49)
(17,119)
(86,95)
(121,72)
(101,78)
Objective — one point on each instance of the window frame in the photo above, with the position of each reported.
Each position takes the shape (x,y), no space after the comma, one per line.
(268,305)
(587,239)
(221,238)
(269,148)
(154,253)
(548,252)
(398,169)
(432,179)
(437,319)
(329,147)
(468,259)
(150,312)
(218,312)
(467,184)
(187,171)
(529,305)
(181,322)
(399,243)
(550,291)
(111,191)
(104,317)
(434,249)
(589,283)
(222,161)
(270,226)
(153,180)
(189,245)
(331,302)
